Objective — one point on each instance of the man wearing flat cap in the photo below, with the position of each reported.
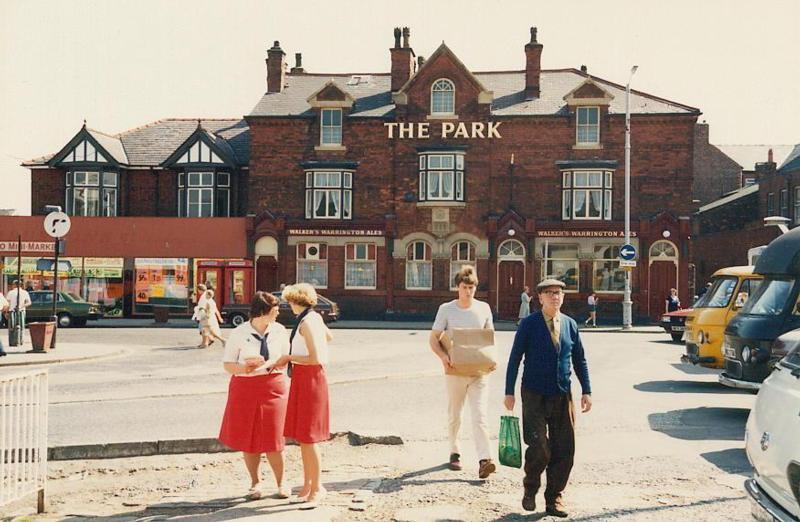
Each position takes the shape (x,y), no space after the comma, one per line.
(550,344)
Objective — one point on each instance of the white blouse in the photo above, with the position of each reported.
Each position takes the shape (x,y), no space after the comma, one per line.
(242,344)
(319,333)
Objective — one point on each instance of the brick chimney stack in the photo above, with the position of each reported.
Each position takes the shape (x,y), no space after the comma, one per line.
(298,64)
(276,68)
(402,59)
(769,156)
(533,66)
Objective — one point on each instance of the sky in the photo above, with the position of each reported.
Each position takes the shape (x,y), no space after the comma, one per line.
(121,64)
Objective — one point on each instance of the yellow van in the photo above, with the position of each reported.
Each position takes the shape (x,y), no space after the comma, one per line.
(705,326)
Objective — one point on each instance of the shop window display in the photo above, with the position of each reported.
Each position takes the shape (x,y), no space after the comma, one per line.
(161,282)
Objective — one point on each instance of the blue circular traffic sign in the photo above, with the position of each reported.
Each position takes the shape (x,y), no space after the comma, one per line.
(627,252)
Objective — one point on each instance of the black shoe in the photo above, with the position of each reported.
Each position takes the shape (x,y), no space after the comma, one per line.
(485,468)
(529,502)
(556,510)
(455,462)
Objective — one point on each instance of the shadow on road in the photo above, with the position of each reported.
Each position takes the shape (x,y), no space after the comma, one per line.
(674,386)
(668,342)
(701,423)
(693,369)
(397,484)
(733,460)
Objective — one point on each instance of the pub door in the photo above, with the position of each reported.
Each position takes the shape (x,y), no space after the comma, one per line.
(663,276)
(510,283)
(267,274)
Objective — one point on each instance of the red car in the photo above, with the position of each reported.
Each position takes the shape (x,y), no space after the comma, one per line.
(674,323)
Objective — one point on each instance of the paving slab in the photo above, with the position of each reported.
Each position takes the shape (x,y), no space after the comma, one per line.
(64,352)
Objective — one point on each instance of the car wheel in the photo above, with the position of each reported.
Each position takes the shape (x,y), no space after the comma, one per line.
(64,320)
(677,337)
(237,319)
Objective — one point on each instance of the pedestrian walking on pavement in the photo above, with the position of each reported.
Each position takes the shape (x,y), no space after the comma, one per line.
(591,304)
(308,414)
(19,300)
(525,304)
(3,310)
(550,343)
(465,312)
(209,321)
(257,393)
(199,311)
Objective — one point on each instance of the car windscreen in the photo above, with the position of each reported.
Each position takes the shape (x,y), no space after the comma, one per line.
(770,299)
(75,298)
(720,293)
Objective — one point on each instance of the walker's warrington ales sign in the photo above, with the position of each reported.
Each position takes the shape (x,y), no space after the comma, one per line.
(447,129)
(583,233)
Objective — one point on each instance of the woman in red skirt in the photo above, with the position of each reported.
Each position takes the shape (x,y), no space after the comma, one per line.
(257,393)
(307,413)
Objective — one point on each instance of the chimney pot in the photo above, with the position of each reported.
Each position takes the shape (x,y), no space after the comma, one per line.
(584,69)
(396,37)
(403,59)
(533,35)
(533,66)
(769,156)
(406,35)
(276,68)
(420,61)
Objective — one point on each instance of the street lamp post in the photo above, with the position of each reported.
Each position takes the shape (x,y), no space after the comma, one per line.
(626,300)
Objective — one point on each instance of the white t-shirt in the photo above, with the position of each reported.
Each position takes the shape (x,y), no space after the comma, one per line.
(591,301)
(24,299)
(314,323)
(450,316)
(243,344)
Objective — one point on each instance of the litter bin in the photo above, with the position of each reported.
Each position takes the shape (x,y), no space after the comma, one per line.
(161,314)
(42,335)
(16,327)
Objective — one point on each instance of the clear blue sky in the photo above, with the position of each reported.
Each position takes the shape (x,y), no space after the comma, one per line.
(124,63)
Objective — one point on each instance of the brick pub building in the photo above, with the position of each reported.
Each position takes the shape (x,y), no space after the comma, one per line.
(377,187)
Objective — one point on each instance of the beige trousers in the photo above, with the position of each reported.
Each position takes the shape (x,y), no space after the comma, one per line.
(476,391)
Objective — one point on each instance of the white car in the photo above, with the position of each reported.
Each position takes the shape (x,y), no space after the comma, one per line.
(772,440)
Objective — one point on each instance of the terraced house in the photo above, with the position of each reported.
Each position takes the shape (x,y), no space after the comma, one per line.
(377,187)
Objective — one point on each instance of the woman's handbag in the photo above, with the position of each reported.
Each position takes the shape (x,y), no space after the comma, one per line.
(510,451)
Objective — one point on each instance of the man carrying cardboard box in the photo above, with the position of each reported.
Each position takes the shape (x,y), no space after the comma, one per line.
(463,338)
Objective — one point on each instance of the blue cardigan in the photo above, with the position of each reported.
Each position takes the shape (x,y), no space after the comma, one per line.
(547,371)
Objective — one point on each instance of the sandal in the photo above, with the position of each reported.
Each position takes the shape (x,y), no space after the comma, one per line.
(314,499)
(254,493)
(281,493)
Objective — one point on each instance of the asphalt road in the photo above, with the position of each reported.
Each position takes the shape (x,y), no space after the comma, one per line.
(387,382)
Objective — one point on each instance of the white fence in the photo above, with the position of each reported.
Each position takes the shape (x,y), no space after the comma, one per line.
(23,436)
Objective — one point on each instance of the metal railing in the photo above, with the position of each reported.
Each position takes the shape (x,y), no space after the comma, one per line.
(23,436)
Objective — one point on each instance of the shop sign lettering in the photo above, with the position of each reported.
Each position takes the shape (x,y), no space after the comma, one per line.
(44,247)
(447,129)
(333,232)
(583,233)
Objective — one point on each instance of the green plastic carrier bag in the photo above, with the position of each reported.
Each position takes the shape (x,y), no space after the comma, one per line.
(510,451)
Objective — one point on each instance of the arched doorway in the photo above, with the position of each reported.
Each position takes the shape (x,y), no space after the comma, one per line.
(662,274)
(266,264)
(510,278)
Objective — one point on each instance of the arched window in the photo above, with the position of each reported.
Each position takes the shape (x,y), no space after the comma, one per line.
(664,250)
(461,254)
(443,97)
(511,249)
(419,267)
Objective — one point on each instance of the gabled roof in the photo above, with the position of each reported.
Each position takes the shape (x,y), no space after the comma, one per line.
(152,144)
(437,55)
(588,91)
(792,162)
(330,93)
(109,146)
(217,144)
(374,98)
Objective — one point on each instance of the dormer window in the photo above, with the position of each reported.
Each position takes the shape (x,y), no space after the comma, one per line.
(331,127)
(443,97)
(91,193)
(588,127)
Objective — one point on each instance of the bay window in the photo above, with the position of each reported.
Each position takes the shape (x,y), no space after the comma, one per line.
(586,194)
(441,176)
(329,195)
(91,193)
(204,194)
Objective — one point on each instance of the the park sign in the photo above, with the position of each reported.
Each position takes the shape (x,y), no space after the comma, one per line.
(446,129)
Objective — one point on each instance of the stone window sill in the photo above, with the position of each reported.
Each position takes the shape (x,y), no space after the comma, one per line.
(442,117)
(330,148)
(587,146)
(451,204)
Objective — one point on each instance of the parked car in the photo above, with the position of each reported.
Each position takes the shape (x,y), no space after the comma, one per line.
(749,346)
(772,439)
(71,310)
(236,314)
(674,323)
(705,328)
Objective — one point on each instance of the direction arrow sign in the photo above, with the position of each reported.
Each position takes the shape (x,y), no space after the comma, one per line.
(56,224)
(627,252)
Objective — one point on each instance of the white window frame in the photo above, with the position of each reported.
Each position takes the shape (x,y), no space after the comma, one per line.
(600,263)
(770,204)
(570,188)
(411,260)
(337,136)
(442,87)
(587,127)
(457,262)
(456,185)
(797,205)
(189,184)
(318,184)
(364,261)
(783,203)
(576,260)
(322,263)
(101,183)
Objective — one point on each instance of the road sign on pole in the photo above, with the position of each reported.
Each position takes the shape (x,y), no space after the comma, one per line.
(56,224)
(627,252)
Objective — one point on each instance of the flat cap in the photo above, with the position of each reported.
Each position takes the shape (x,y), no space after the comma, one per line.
(548,283)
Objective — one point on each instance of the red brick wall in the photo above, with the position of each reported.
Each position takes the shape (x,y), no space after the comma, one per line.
(48,187)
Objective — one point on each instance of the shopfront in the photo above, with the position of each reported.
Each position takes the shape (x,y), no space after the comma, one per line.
(231,279)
